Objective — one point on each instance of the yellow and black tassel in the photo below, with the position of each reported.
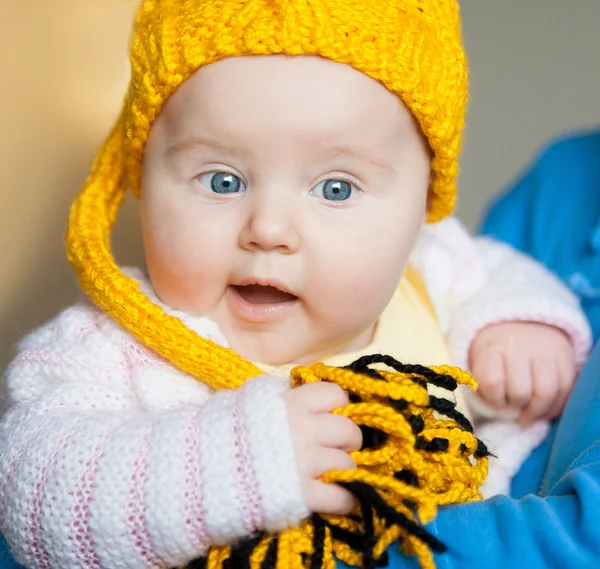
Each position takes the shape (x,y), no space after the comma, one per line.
(418,452)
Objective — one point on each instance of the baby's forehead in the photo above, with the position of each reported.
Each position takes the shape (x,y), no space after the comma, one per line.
(307,96)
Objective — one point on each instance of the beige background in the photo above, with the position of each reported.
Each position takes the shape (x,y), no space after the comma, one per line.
(63,69)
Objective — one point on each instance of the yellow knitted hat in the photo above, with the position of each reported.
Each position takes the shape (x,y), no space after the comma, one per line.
(413,47)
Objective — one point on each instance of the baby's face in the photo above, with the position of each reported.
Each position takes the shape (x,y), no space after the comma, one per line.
(281,197)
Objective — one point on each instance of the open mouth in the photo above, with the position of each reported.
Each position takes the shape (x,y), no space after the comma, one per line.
(260,294)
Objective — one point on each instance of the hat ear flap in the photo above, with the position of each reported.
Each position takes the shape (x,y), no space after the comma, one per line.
(94,212)
(92,217)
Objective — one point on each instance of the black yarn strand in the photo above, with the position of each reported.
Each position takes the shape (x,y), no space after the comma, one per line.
(393,517)
(448,408)
(270,560)
(320,532)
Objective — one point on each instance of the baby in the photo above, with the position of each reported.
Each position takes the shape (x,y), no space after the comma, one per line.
(287,155)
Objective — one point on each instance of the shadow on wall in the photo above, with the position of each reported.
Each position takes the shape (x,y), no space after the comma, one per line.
(68,68)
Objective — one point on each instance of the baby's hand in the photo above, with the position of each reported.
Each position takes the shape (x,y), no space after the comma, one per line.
(322,442)
(525,366)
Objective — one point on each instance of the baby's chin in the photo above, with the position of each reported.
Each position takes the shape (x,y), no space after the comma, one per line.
(276,348)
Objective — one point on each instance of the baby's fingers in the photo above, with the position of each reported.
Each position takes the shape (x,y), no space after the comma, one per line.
(489,371)
(545,383)
(319,397)
(329,499)
(567,373)
(336,431)
(519,381)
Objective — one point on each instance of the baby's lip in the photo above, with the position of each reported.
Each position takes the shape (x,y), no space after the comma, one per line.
(273,283)
(261,300)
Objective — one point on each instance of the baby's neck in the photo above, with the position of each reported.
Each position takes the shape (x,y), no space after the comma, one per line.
(358,343)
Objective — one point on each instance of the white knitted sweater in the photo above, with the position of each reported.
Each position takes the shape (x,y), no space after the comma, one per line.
(111,458)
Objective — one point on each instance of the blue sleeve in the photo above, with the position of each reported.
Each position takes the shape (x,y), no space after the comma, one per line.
(6,560)
(531,533)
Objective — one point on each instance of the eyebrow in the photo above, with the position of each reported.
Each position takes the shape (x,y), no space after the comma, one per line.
(363,156)
(191,144)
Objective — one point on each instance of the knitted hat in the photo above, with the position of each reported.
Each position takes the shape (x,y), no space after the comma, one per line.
(413,47)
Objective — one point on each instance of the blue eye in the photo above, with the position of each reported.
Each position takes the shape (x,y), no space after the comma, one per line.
(334,190)
(222,183)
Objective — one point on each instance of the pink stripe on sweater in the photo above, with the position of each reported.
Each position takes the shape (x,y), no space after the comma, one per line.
(248,493)
(34,516)
(192,464)
(80,512)
(13,465)
(57,359)
(8,477)
(136,507)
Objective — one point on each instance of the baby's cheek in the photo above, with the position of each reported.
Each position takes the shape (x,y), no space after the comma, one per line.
(186,274)
(354,300)
(187,242)
(377,275)
(382,262)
